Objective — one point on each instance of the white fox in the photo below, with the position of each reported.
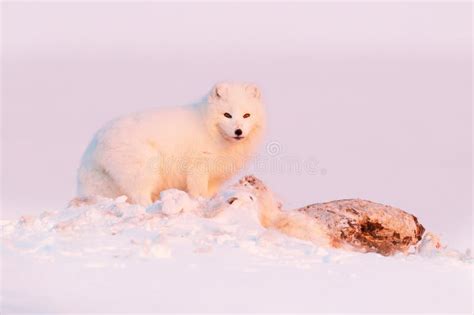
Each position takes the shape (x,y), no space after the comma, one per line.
(193,148)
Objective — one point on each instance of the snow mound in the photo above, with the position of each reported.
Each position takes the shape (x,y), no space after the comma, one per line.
(114,229)
(173,201)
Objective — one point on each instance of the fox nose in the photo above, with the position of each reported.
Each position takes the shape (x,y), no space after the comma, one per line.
(238,132)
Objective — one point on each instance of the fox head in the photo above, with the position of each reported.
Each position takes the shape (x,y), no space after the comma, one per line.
(235,110)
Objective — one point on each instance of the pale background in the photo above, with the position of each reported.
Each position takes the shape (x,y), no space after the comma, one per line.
(379,95)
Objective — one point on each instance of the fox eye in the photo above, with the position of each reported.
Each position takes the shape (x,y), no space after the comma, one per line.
(228,115)
(247,115)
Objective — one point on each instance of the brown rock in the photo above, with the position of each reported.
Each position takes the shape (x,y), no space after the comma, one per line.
(367,226)
(355,224)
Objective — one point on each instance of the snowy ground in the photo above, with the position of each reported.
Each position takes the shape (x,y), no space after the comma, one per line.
(111,256)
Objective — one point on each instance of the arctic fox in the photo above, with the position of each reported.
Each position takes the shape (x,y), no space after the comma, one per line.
(193,148)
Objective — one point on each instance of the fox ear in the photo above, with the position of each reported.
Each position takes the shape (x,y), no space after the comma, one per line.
(219,90)
(253,90)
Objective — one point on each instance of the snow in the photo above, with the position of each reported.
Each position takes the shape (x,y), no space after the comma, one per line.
(190,255)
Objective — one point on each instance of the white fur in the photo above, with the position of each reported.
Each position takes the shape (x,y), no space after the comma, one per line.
(190,147)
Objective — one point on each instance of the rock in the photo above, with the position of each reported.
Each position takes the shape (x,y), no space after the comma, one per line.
(354,224)
(367,226)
